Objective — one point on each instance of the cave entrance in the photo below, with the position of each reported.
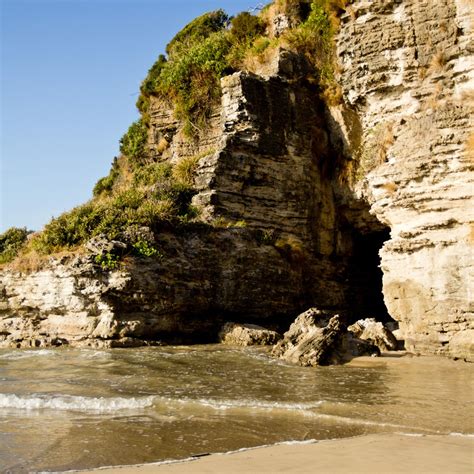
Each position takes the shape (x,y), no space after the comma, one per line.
(365,275)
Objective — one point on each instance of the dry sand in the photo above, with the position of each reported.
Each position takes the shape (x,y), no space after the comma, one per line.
(381,454)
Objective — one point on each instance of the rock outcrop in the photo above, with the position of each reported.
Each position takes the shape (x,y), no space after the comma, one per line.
(320,338)
(408,83)
(370,330)
(296,199)
(247,335)
(184,296)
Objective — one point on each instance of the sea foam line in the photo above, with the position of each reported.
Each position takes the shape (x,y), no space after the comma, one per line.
(73,403)
(252,404)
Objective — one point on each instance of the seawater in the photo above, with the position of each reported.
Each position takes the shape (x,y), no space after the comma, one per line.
(69,409)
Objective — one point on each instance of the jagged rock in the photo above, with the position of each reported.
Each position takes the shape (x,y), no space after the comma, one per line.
(370,330)
(349,346)
(136,234)
(100,244)
(310,340)
(319,338)
(247,335)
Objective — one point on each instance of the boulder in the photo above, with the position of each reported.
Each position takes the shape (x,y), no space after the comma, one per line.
(370,330)
(247,335)
(320,338)
(311,339)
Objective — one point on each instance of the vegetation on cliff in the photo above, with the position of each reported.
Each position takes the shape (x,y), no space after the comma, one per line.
(142,193)
(11,242)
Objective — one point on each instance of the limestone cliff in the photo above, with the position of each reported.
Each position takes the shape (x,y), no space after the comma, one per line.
(320,190)
(408,81)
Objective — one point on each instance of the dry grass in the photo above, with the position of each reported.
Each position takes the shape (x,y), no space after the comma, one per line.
(390,187)
(332,94)
(223,223)
(31,261)
(162,145)
(438,62)
(185,169)
(435,100)
(469,147)
(422,72)
(256,59)
(292,248)
(374,150)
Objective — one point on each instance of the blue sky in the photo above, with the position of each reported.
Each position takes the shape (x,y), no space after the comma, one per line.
(70,73)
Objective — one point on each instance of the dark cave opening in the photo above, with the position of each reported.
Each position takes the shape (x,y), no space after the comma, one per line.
(365,295)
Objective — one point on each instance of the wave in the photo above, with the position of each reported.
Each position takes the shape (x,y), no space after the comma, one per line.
(462,435)
(24,354)
(73,403)
(246,403)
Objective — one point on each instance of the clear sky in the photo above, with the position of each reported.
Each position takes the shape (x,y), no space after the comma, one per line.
(70,74)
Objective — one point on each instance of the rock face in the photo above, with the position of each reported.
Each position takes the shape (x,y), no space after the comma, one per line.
(319,192)
(408,82)
(247,335)
(185,296)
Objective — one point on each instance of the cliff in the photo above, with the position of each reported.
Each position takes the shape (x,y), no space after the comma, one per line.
(296,198)
(408,73)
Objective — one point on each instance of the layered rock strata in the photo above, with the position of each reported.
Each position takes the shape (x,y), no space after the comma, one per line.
(317,189)
(407,129)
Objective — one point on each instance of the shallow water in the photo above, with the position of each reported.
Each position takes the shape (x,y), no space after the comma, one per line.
(72,409)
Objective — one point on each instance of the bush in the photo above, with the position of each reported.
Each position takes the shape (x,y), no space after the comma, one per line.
(196,31)
(245,27)
(152,173)
(142,248)
(105,184)
(192,79)
(165,201)
(313,38)
(133,143)
(149,85)
(11,242)
(107,261)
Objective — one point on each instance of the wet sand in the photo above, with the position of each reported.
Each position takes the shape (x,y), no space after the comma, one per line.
(384,453)
(375,453)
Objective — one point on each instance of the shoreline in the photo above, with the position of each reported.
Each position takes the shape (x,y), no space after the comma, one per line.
(374,453)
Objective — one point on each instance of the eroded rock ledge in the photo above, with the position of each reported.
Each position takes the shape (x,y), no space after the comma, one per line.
(320,191)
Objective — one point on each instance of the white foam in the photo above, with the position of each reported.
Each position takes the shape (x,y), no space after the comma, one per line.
(252,404)
(73,403)
(24,354)
(463,435)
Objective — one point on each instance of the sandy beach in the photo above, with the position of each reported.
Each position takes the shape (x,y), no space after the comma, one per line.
(365,454)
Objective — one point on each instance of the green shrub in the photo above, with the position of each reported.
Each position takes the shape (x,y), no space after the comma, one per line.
(11,242)
(149,85)
(152,173)
(246,27)
(142,248)
(314,39)
(133,143)
(192,79)
(196,31)
(107,261)
(260,45)
(105,184)
(165,201)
